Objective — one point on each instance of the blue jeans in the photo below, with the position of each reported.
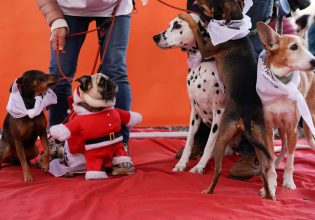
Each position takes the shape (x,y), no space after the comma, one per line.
(114,65)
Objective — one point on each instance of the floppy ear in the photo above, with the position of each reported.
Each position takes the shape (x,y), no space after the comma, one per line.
(85,82)
(268,37)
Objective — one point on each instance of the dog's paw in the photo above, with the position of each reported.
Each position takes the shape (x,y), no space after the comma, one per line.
(28,178)
(179,167)
(266,195)
(288,184)
(198,169)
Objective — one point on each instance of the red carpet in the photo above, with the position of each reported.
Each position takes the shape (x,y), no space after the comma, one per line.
(155,192)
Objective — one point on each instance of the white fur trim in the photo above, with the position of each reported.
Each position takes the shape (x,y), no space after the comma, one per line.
(59,23)
(121,159)
(60,132)
(135,118)
(90,175)
(102,144)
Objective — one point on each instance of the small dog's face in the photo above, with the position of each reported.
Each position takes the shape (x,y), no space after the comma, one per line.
(179,34)
(34,82)
(287,53)
(98,88)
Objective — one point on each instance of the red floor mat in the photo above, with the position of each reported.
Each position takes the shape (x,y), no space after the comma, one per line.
(155,192)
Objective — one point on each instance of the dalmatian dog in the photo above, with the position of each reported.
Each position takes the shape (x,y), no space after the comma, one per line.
(205,91)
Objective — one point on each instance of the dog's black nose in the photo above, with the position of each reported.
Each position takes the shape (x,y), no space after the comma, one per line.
(313,63)
(157,38)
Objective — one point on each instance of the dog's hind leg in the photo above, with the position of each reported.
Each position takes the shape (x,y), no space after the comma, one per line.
(5,152)
(258,134)
(227,131)
(194,125)
(217,116)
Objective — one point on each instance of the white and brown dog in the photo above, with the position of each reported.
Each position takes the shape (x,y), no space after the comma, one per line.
(205,92)
(95,130)
(286,86)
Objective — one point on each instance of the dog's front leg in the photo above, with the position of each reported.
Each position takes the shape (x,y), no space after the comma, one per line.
(21,154)
(288,181)
(284,141)
(207,153)
(193,127)
(44,141)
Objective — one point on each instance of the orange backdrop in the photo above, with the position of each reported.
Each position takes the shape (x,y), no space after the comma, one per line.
(157,76)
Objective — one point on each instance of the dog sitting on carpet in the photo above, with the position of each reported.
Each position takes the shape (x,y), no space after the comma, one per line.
(286,86)
(206,92)
(30,94)
(95,129)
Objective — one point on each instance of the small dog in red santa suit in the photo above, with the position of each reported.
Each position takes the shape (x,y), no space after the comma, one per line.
(95,127)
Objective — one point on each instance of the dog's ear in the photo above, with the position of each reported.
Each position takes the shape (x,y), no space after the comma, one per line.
(109,88)
(268,37)
(85,82)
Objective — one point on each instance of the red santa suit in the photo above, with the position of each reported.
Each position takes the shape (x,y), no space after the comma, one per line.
(101,133)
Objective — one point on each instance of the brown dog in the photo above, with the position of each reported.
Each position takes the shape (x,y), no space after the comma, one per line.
(17,144)
(236,64)
(287,59)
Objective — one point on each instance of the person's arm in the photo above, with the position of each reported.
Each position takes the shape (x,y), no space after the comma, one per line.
(55,19)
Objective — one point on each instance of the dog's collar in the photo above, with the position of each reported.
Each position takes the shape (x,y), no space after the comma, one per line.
(285,79)
(89,108)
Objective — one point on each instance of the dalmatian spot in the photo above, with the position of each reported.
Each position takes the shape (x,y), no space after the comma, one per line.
(219,111)
(181,43)
(197,116)
(195,102)
(216,84)
(215,128)
(193,122)
(196,77)
(188,82)
(205,70)
(204,81)
(205,112)
(199,68)
(191,77)
(212,73)
(181,32)
(217,91)
(199,86)
(193,72)
(203,90)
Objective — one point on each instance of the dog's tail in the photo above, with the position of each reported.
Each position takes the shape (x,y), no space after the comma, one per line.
(248,134)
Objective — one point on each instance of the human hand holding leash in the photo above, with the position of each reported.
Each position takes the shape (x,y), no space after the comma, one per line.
(58,38)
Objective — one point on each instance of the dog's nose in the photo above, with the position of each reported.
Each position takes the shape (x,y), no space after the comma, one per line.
(313,63)
(157,38)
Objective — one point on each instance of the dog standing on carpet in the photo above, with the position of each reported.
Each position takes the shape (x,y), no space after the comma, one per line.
(236,64)
(25,121)
(205,92)
(95,129)
(286,86)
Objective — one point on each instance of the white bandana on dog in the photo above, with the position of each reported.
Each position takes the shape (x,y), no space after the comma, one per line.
(270,88)
(221,32)
(16,107)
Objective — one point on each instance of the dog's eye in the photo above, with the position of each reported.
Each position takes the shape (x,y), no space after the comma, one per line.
(294,47)
(176,25)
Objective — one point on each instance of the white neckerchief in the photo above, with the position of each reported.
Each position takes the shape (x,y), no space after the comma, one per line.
(270,89)
(16,107)
(221,32)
